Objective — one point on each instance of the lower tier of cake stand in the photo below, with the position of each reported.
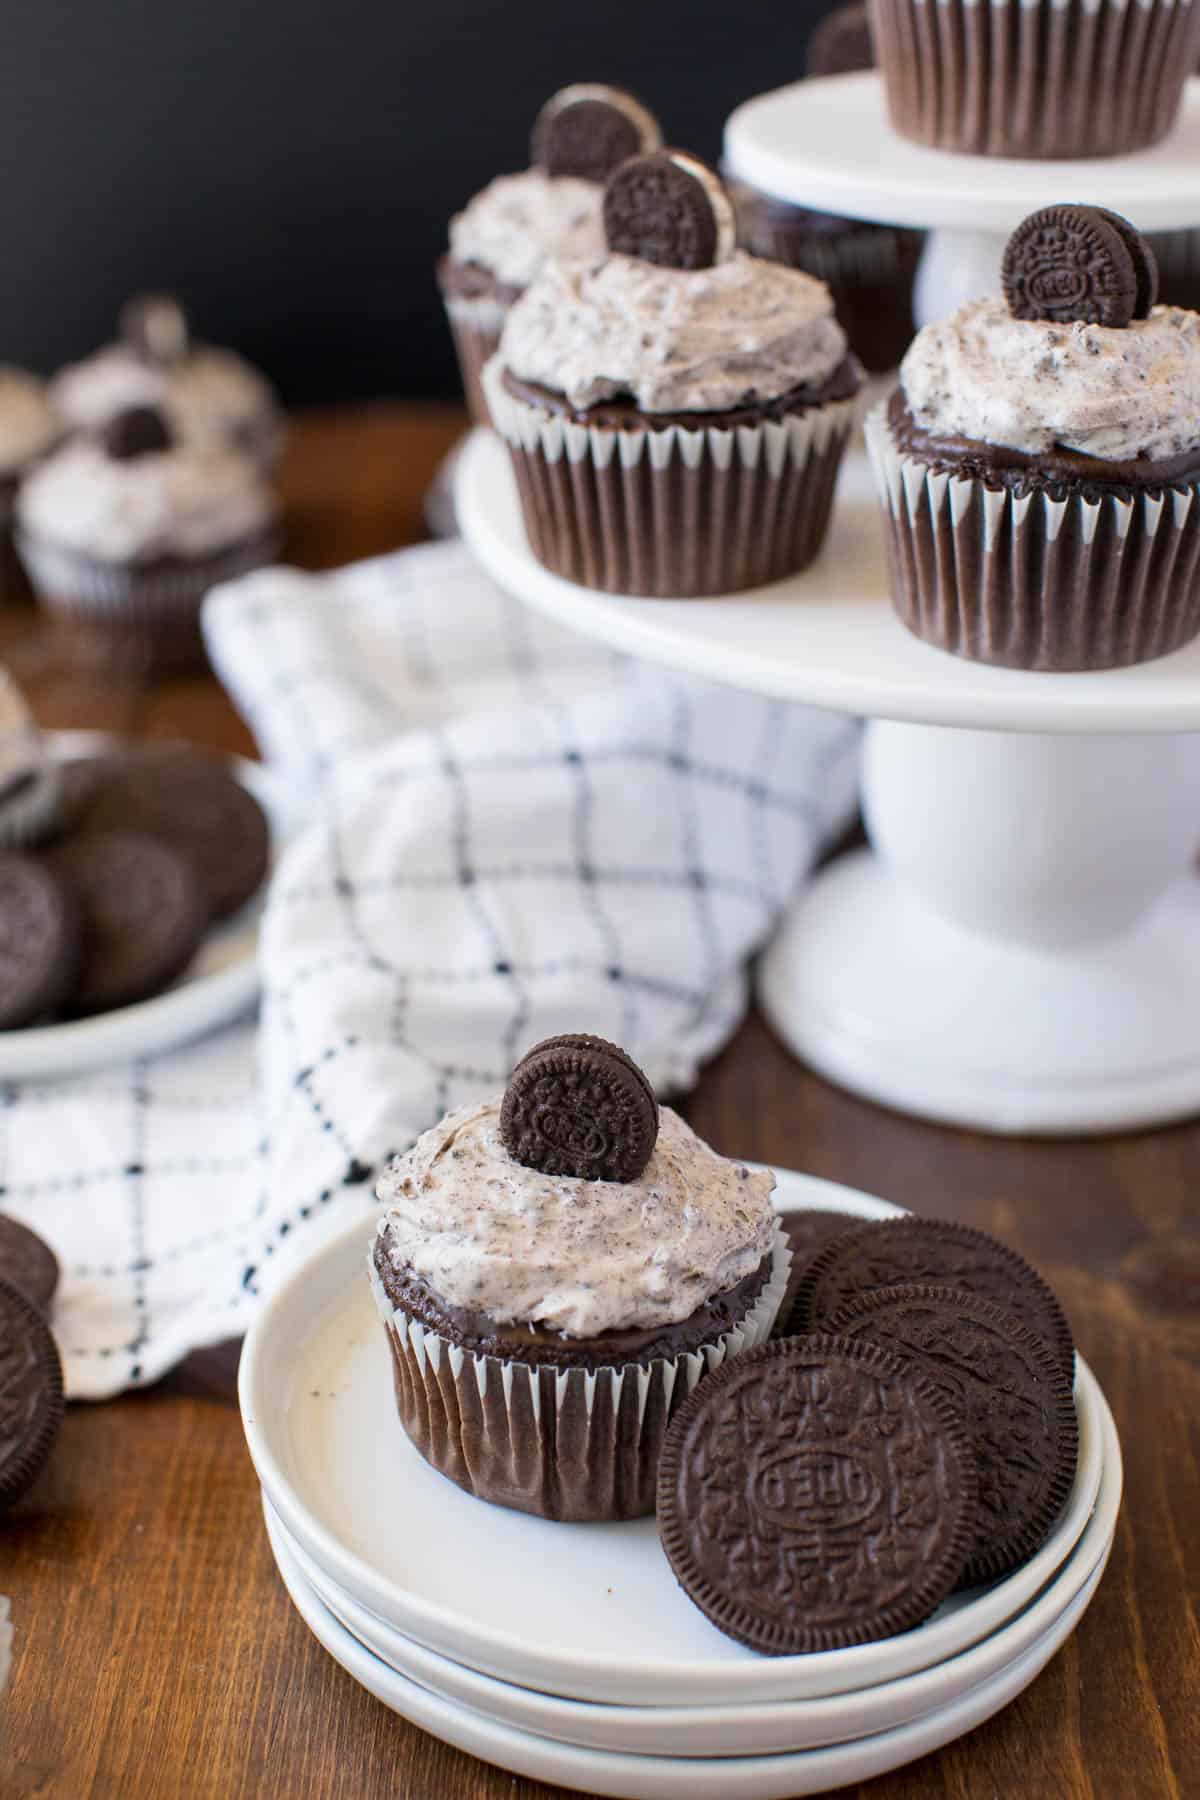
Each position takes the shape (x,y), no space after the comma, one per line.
(1020,949)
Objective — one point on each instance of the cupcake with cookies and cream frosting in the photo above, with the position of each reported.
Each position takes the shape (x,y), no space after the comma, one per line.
(1039,462)
(676,410)
(505,235)
(210,396)
(556,1268)
(124,533)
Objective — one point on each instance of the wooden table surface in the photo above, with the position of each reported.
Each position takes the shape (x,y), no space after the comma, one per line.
(157,1653)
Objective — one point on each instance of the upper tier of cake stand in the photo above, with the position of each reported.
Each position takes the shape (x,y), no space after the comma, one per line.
(828,145)
(828,636)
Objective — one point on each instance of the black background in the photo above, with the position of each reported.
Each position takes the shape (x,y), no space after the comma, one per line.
(289,166)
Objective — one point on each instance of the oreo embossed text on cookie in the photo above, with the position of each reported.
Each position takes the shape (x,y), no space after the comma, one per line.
(577,1105)
(1078,264)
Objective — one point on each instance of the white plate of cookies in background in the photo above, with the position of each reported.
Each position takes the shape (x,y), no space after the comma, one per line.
(90,1025)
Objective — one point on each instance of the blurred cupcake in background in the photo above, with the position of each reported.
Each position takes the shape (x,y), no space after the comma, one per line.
(208,395)
(677,409)
(30,780)
(123,533)
(869,269)
(29,428)
(502,238)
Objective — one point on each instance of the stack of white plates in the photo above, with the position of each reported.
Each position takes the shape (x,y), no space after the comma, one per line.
(567,1652)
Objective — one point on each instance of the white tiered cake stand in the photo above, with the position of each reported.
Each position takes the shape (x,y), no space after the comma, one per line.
(1020,949)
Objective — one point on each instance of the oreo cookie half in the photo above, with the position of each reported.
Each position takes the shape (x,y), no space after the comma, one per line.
(1009,1388)
(1069,264)
(142,913)
(930,1252)
(669,209)
(27,1262)
(155,327)
(816,1493)
(840,43)
(579,1106)
(39,941)
(31,1393)
(587,129)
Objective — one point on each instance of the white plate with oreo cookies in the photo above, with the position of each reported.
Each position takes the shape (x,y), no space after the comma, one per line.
(570,1652)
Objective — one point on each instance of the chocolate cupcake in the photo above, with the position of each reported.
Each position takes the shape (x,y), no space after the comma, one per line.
(1039,464)
(503,237)
(210,396)
(676,410)
(29,429)
(124,534)
(1035,78)
(869,269)
(556,1269)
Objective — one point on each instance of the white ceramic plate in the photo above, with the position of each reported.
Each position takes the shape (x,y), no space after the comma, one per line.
(457,1575)
(633,1777)
(720,1730)
(220,982)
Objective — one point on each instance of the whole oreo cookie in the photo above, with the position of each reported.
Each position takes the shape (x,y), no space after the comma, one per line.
(155,327)
(39,941)
(1010,1390)
(142,912)
(27,1262)
(1069,264)
(930,1252)
(579,1106)
(192,803)
(840,43)
(669,209)
(816,1493)
(138,431)
(31,1392)
(587,129)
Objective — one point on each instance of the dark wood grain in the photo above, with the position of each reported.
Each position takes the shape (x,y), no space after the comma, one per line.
(157,1654)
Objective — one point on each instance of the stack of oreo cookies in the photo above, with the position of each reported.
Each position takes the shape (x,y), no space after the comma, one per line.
(912,1431)
(31,1389)
(150,849)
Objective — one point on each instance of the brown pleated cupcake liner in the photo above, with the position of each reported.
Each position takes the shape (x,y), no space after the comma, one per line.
(1035,78)
(475,326)
(673,513)
(576,1443)
(869,270)
(139,617)
(1030,582)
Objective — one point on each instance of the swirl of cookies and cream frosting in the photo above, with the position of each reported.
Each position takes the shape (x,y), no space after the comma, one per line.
(1114,393)
(516,223)
(673,340)
(488,1234)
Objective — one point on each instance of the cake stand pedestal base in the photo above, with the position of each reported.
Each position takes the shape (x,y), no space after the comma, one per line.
(1020,952)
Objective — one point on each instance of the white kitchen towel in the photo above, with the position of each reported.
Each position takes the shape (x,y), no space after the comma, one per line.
(513,833)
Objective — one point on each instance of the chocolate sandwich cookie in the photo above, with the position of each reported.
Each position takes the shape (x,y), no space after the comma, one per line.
(1013,1397)
(815,1494)
(39,941)
(669,209)
(587,129)
(930,1252)
(142,911)
(31,1392)
(195,805)
(577,1105)
(807,1232)
(1078,264)
(27,1262)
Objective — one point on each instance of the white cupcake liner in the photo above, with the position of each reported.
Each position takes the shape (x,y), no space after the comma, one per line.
(1035,78)
(673,511)
(562,1443)
(1032,582)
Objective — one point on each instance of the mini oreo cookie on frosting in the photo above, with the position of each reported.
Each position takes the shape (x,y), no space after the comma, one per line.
(670,209)
(587,129)
(1079,265)
(136,431)
(577,1105)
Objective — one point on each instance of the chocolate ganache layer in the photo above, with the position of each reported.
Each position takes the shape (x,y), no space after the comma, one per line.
(1060,473)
